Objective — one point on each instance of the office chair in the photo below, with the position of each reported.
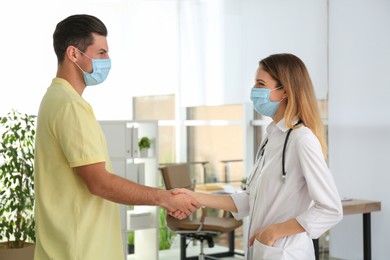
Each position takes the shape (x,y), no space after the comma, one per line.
(203,228)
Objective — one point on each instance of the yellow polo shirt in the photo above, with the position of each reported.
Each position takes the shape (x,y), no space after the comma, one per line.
(71,223)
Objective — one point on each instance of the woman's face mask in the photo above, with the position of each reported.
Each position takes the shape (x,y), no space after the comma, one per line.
(261,102)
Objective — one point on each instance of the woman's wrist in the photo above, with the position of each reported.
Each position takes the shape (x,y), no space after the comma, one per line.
(276,232)
(288,228)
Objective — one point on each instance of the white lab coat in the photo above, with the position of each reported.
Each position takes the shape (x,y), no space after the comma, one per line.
(308,194)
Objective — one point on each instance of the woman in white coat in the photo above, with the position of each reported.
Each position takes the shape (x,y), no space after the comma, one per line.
(291,196)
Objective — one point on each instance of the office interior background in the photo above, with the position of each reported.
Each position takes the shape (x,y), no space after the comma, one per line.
(201,55)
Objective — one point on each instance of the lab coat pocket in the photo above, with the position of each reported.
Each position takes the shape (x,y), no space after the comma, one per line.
(299,247)
(264,252)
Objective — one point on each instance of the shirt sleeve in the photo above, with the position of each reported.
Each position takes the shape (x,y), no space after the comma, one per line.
(326,210)
(78,133)
(241,200)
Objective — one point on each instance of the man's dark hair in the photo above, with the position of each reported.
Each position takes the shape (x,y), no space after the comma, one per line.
(76,30)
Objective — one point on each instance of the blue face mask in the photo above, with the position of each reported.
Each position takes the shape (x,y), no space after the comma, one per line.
(261,102)
(100,70)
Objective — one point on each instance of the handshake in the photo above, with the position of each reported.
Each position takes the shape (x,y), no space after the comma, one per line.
(181,203)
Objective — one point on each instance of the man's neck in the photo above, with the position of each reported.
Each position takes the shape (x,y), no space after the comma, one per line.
(74,81)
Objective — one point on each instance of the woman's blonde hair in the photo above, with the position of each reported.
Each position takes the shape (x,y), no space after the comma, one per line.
(291,73)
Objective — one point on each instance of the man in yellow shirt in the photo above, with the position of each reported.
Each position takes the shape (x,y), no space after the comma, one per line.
(77,215)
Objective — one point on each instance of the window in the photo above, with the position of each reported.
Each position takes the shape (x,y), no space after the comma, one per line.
(160,108)
(215,135)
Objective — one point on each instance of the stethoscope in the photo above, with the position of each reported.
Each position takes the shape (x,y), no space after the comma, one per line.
(261,153)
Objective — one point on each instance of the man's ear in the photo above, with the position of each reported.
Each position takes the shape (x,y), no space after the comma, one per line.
(72,53)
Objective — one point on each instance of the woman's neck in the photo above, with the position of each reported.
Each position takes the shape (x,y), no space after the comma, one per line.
(280,112)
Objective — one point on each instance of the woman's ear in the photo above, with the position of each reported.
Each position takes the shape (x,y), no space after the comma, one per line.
(284,95)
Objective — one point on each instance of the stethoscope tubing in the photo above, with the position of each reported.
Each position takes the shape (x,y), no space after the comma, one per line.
(261,151)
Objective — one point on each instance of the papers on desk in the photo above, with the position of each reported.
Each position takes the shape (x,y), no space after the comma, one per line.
(216,188)
(229,189)
(209,187)
(346,199)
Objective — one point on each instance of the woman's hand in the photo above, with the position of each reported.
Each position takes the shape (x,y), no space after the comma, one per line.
(270,234)
(216,201)
(266,236)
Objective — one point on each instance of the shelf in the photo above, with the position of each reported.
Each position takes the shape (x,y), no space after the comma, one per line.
(138,220)
(122,139)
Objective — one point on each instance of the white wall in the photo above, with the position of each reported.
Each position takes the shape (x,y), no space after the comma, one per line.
(298,27)
(359,118)
(142,37)
(221,43)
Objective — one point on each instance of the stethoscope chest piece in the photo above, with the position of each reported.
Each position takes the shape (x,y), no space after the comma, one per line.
(262,150)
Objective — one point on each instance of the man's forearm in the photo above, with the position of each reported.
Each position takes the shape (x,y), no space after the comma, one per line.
(123,191)
(109,186)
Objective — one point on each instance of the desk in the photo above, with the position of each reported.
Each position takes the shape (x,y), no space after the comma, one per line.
(364,207)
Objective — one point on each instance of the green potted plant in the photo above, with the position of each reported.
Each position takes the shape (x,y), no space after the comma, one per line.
(243,183)
(165,234)
(144,145)
(130,243)
(17,224)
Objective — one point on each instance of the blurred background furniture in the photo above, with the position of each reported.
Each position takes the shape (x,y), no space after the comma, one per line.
(199,228)
(358,206)
(227,168)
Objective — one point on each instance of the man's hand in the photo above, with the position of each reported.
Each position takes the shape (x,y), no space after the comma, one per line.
(180,205)
(183,191)
(179,214)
